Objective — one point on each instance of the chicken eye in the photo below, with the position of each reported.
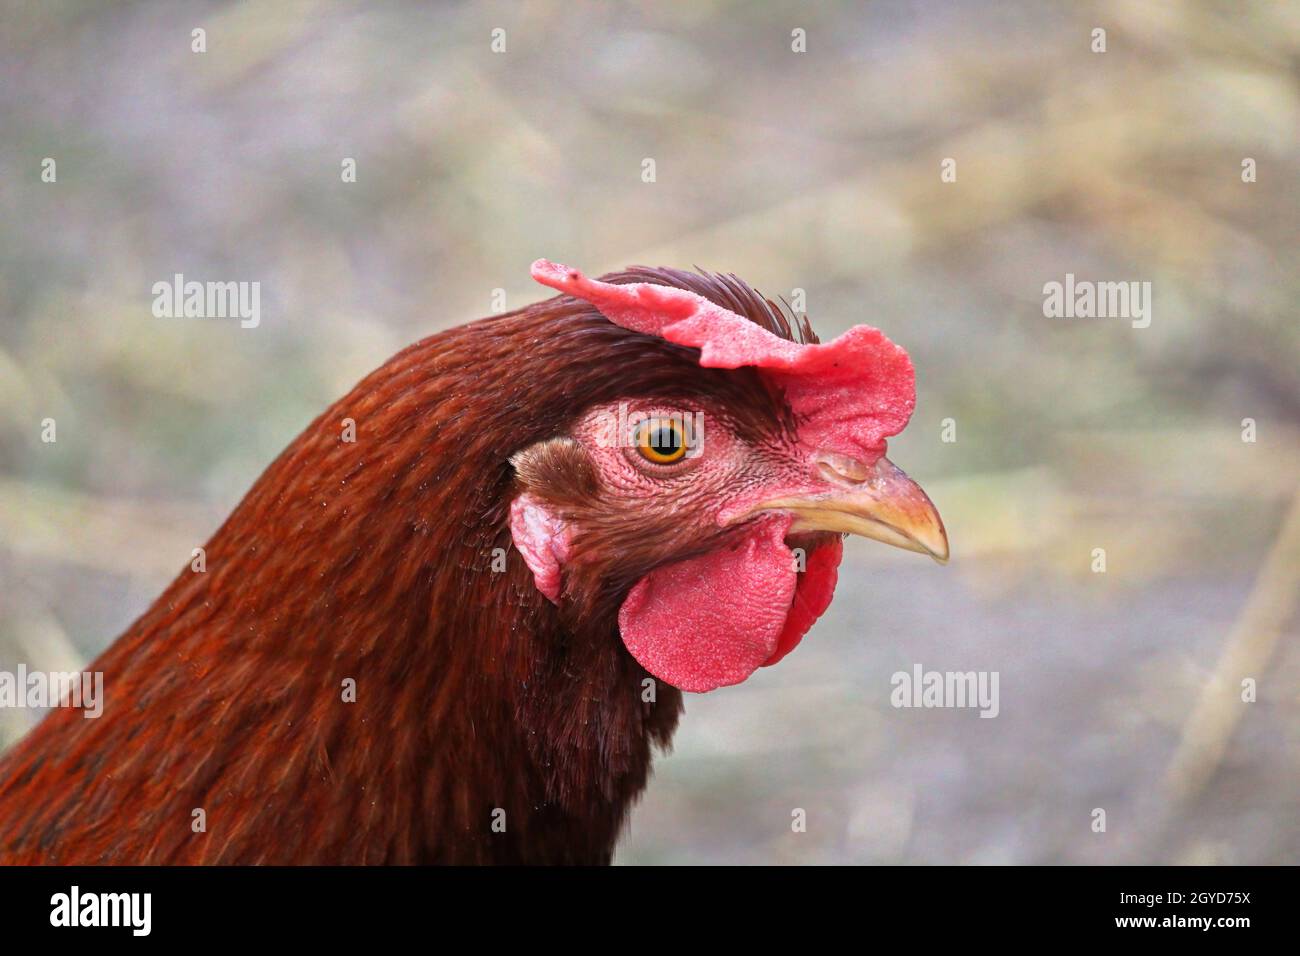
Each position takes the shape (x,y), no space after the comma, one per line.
(660,441)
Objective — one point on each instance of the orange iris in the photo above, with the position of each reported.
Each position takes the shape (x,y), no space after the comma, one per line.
(660,441)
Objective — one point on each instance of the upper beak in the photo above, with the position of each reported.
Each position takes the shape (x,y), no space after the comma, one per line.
(879,502)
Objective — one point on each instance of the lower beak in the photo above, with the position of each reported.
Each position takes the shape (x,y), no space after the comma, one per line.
(885,505)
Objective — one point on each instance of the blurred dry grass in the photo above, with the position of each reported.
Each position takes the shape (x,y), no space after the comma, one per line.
(818,171)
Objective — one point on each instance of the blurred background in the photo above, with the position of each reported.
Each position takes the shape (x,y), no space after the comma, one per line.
(816,170)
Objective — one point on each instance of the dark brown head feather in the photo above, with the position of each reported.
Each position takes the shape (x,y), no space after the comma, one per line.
(729,292)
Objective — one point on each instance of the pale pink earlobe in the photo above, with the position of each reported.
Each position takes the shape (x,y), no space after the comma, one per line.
(543,539)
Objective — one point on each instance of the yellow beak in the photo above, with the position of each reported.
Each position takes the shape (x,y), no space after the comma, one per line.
(881,503)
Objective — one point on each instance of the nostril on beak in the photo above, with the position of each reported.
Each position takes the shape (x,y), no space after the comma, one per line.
(841,468)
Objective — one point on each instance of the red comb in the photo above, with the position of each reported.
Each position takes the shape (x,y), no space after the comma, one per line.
(849,394)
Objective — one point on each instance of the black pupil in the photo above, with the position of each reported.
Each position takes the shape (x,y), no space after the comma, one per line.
(664,440)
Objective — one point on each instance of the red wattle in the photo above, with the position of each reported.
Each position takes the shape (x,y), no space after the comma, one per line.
(711,621)
(812,596)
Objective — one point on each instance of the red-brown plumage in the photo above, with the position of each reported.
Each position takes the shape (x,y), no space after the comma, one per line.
(373,560)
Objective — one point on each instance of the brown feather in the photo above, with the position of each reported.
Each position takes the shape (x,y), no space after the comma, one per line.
(373,561)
